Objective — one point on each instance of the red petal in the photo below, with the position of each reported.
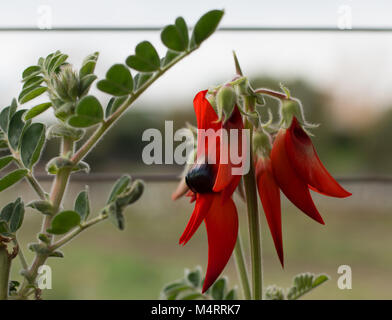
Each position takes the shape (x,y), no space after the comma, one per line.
(229,190)
(225,170)
(307,164)
(270,199)
(203,204)
(289,182)
(206,119)
(205,113)
(222,231)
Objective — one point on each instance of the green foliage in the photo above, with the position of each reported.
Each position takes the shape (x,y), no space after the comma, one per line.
(37,110)
(15,129)
(176,37)
(11,217)
(60,130)
(5,119)
(302,284)
(114,104)
(274,293)
(118,82)
(58,163)
(64,222)
(89,112)
(145,59)
(88,65)
(82,204)
(115,214)
(67,90)
(206,26)
(32,143)
(120,185)
(12,178)
(43,206)
(5,161)
(65,86)
(30,93)
(124,193)
(190,286)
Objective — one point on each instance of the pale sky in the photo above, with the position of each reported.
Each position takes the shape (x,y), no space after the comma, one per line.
(354,65)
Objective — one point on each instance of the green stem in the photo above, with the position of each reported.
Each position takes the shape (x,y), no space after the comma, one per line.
(30,177)
(36,186)
(251,203)
(253,219)
(241,269)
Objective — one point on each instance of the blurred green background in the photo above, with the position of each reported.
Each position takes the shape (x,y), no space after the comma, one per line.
(104,263)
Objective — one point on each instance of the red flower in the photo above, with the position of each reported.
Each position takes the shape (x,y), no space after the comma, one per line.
(294,167)
(213,185)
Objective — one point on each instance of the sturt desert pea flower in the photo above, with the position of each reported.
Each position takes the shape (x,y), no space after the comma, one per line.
(294,167)
(212,185)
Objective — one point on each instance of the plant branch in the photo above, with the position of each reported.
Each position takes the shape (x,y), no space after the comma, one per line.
(30,177)
(271,93)
(68,237)
(89,144)
(36,186)
(57,193)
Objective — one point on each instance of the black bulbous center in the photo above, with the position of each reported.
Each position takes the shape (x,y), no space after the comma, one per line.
(200,179)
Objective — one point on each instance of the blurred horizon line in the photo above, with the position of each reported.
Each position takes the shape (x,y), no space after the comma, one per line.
(222,29)
(165,177)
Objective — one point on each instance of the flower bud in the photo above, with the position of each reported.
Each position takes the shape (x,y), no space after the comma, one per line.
(226,100)
(291,108)
(262,143)
(66,84)
(242,86)
(131,194)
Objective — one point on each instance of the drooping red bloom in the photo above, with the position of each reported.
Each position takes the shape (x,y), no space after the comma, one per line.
(294,167)
(213,185)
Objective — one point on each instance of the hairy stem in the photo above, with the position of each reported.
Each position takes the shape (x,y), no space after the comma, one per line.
(251,203)
(5,267)
(30,177)
(241,269)
(57,193)
(271,93)
(254,225)
(36,186)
